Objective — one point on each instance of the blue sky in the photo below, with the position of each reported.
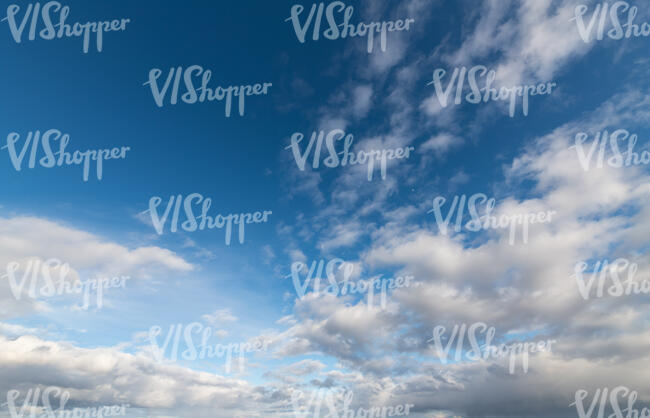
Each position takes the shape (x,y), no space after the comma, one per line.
(382,226)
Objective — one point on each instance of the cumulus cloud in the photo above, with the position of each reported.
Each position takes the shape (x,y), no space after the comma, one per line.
(520,288)
(107,376)
(441,144)
(31,242)
(219,316)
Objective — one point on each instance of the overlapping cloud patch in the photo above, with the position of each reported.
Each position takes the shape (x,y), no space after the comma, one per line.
(28,246)
(521,289)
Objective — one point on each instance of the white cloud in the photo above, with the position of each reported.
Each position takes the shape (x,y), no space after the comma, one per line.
(25,239)
(361,103)
(520,287)
(106,376)
(441,143)
(219,317)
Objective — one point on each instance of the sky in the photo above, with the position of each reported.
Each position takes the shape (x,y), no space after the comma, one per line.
(318,343)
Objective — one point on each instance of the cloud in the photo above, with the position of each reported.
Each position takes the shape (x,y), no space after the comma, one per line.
(342,235)
(519,288)
(361,103)
(31,240)
(441,144)
(295,371)
(219,317)
(106,376)
(532,38)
